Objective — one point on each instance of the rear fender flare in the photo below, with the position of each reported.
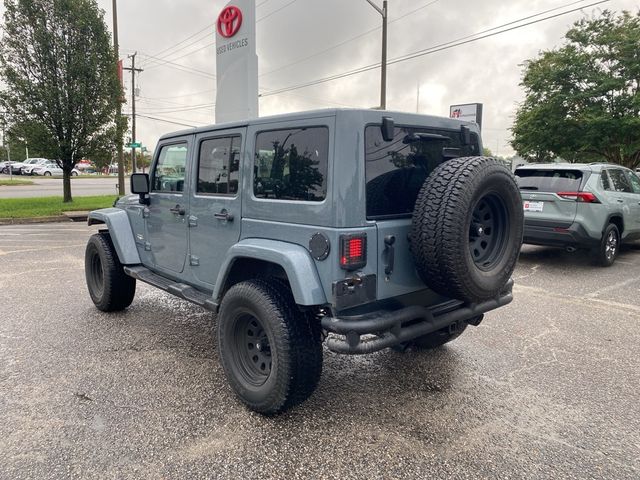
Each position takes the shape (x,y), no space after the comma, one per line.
(117,221)
(294,260)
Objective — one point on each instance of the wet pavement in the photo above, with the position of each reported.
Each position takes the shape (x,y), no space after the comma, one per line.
(546,387)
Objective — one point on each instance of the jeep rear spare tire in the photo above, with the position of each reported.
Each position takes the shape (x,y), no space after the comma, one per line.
(467,228)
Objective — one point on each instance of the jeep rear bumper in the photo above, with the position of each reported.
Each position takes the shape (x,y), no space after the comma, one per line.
(385,329)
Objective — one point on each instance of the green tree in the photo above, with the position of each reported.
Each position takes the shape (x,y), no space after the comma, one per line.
(583,100)
(58,65)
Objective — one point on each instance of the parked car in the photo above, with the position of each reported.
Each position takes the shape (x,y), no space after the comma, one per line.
(383,228)
(16,167)
(28,166)
(49,169)
(5,166)
(592,206)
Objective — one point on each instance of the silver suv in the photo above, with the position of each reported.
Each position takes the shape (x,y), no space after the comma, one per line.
(594,206)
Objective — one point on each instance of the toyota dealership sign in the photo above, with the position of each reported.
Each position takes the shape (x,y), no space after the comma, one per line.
(469,112)
(236,62)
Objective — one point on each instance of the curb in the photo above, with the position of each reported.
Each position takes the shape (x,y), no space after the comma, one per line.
(66,217)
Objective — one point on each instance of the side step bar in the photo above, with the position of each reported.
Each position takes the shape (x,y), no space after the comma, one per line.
(181,290)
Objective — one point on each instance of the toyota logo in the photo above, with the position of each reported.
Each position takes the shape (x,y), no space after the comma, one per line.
(229,21)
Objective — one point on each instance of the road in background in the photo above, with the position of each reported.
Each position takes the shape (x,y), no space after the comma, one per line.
(52,187)
(545,388)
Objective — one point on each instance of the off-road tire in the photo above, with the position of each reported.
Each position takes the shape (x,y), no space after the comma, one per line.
(441,235)
(110,288)
(295,350)
(604,256)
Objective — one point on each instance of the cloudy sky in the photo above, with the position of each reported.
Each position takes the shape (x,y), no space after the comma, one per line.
(303,40)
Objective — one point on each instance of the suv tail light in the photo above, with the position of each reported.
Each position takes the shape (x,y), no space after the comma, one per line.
(584,197)
(353,251)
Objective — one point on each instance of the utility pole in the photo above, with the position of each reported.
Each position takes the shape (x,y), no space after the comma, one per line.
(133,71)
(119,108)
(383,71)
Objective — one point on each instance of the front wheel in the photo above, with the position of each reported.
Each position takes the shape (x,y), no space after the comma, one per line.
(268,349)
(109,287)
(74,174)
(609,247)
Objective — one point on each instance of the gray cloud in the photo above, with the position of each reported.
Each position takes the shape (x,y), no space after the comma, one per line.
(486,71)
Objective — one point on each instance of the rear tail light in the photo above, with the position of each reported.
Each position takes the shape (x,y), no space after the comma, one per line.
(353,251)
(584,197)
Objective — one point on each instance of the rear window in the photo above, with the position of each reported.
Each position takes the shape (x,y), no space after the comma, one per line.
(552,181)
(396,170)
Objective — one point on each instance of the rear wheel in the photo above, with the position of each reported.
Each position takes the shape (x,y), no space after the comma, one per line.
(271,356)
(47,174)
(109,287)
(609,246)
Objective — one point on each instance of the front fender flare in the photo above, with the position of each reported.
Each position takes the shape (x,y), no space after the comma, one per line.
(294,259)
(117,221)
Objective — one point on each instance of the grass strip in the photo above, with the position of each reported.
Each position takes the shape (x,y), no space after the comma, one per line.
(50,206)
(12,183)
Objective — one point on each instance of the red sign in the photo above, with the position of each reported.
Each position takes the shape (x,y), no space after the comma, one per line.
(229,21)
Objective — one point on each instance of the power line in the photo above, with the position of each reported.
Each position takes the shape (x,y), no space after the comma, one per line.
(436,48)
(177,66)
(275,11)
(349,40)
(167,121)
(182,41)
(213,43)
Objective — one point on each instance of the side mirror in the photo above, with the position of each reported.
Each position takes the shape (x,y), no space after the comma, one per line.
(388,129)
(140,185)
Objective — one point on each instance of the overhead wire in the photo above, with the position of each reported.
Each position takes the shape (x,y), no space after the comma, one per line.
(349,40)
(437,48)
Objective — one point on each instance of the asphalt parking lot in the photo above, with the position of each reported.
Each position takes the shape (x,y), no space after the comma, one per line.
(545,388)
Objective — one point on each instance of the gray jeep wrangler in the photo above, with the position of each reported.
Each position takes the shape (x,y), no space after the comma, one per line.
(364,228)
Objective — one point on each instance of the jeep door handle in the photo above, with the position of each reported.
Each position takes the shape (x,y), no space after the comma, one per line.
(224,215)
(178,210)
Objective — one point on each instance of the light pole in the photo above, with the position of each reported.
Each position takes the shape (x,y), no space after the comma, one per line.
(116,47)
(383,73)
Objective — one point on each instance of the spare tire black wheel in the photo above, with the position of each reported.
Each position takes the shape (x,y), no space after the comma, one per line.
(467,228)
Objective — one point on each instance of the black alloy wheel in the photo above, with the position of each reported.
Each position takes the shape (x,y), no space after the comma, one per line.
(268,348)
(252,350)
(109,287)
(489,221)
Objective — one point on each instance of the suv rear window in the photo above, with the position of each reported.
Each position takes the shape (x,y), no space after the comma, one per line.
(552,181)
(396,170)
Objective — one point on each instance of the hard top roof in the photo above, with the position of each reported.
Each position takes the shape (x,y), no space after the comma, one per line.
(368,116)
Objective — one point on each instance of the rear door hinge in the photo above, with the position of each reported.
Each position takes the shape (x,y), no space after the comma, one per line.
(194,261)
(193,221)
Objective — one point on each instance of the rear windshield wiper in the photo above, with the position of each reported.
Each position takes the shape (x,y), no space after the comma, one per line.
(529,188)
(425,137)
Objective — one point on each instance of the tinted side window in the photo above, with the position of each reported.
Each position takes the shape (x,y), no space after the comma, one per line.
(170,169)
(635,182)
(620,181)
(218,165)
(292,164)
(396,170)
(553,181)
(604,178)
